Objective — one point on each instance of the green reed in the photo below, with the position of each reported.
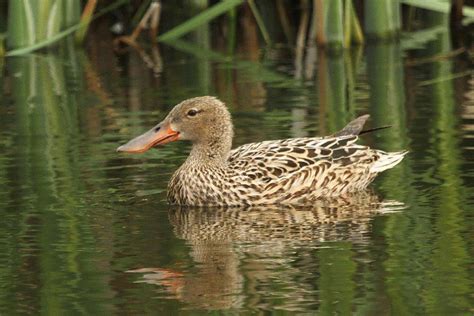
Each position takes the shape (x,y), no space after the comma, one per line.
(334,23)
(382,18)
(30,29)
(337,24)
(31,22)
(200,19)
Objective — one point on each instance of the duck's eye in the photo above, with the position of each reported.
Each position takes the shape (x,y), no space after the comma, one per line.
(192,112)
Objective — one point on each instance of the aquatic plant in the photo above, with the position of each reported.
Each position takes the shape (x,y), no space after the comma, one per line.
(334,24)
(28,32)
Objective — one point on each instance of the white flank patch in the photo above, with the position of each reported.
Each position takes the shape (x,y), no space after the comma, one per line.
(387,161)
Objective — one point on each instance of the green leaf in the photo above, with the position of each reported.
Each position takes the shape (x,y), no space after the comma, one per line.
(199,19)
(259,20)
(438,6)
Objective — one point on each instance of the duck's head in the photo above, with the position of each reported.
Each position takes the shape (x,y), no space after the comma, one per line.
(202,120)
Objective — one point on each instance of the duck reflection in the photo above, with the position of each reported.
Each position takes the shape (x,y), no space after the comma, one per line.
(328,220)
(261,250)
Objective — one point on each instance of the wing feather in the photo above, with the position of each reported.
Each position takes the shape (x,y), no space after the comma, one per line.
(288,169)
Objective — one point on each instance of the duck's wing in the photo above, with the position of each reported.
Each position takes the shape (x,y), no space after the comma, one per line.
(292,170)
(277,159)
(295,153)
(300,169)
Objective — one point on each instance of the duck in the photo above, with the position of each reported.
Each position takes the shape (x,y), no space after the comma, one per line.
(294,171)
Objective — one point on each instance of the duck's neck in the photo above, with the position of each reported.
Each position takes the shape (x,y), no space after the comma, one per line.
(211,152)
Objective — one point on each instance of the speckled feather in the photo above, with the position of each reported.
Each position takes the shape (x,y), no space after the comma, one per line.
(290,171)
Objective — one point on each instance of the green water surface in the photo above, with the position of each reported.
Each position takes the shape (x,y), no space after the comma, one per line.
(86,230)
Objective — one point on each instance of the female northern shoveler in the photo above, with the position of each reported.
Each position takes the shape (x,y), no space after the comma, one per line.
(288,171)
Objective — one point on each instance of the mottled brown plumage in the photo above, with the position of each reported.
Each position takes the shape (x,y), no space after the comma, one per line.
(289,171)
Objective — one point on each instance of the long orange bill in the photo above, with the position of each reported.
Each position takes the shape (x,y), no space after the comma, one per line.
(159,135)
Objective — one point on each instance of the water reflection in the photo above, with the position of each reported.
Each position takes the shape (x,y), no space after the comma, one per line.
(49,236)
(252,254)
(438,243)
(345,218)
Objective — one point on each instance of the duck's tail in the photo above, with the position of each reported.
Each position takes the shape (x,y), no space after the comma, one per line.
(387,161)
(355,127)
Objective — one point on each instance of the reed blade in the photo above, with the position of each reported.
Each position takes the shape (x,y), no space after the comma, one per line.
(200,19)
(438,6)
(55,38)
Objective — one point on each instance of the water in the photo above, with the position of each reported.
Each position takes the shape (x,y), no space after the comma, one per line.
(87,230)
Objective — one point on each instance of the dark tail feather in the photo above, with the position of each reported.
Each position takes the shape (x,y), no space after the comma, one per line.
(374,129)
(354,127)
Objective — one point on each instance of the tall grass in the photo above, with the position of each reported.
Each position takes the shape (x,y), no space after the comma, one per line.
(85,20)
(21,32)
(333,28)
(200,19)
(31,22)
(331,23)
(442,6)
